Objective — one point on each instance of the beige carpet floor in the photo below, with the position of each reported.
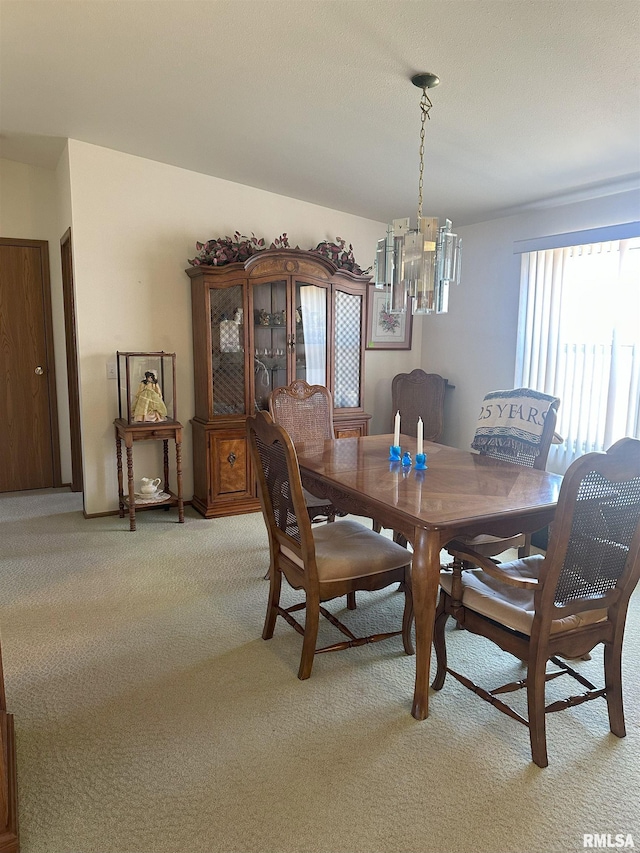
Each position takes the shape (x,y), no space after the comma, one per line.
(152,718)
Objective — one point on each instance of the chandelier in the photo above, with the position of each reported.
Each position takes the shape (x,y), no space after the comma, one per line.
(417,265)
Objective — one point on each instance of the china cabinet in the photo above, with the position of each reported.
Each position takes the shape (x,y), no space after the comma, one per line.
(281,315)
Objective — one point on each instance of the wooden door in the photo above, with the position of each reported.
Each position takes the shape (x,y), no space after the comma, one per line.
(29,447)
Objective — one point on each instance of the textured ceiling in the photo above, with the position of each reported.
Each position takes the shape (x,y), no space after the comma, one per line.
(538,99)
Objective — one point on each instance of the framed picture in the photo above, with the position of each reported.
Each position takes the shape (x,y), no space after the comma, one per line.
(384,330)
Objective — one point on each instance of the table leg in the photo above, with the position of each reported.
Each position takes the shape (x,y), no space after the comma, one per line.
(120,481)
(179,481)
(425,579)
(132,495)
(165,459)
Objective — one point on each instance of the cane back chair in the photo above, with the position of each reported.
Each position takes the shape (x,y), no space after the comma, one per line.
(326,561)
(306,412)
(540,609)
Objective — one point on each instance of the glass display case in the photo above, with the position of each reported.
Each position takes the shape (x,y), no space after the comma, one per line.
(147,387)
(279,316)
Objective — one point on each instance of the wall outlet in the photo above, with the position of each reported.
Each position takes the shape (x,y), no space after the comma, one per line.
(112,372)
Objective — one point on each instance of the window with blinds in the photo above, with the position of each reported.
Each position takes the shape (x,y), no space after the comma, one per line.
(579,339)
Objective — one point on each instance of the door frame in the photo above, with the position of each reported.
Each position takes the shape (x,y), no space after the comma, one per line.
(71,341)
(43,245)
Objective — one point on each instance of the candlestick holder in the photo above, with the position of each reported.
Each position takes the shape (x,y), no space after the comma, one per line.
(406,459)
(421,462)
(395,453)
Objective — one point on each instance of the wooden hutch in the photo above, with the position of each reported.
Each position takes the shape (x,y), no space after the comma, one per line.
(283,314)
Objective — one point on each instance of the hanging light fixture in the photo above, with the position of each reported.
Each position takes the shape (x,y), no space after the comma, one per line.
(418,265)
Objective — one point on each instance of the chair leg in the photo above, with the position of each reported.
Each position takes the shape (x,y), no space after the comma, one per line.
(311,623)
(439,642)
(351,601)
(536,681)
(458,566)
(613,681)
(275,584)
(407,615)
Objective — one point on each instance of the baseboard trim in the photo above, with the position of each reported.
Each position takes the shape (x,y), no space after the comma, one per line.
(117,511)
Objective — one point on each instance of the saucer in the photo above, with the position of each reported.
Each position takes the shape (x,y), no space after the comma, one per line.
(155,497)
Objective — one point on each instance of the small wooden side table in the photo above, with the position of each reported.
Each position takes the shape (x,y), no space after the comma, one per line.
(162,431)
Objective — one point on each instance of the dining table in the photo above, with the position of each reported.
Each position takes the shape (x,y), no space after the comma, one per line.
(459,493)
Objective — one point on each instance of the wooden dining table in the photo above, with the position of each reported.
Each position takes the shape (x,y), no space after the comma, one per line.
(460,492)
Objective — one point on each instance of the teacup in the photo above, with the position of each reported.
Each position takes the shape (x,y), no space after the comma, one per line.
(149,487)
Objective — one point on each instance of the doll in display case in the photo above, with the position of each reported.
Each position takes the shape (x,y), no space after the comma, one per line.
(148,405)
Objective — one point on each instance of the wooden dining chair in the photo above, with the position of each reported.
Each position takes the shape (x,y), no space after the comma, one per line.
(306,412)
(325,562)
(540,609)
(498,443)
(419,395)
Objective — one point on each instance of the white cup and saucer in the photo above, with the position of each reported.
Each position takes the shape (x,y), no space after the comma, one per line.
(150,491)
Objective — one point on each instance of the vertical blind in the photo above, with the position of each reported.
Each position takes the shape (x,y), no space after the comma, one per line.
(579,339)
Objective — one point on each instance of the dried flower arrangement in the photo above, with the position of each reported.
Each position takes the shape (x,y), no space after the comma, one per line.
(340,255)
(227,250)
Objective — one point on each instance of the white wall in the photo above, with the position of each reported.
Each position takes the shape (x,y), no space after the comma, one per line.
(134,223)
(474,345)
(29,210)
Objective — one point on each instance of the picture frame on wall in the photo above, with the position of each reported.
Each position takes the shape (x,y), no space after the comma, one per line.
(384,330)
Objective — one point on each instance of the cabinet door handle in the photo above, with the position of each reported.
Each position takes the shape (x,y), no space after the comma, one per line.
(231,458)
(292,342)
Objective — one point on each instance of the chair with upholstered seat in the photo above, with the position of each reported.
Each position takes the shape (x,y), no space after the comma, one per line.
(562,605)
(324,562)
(306,412)
(419,395)
(521,440)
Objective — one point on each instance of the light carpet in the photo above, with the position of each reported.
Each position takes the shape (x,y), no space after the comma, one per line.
(151,717)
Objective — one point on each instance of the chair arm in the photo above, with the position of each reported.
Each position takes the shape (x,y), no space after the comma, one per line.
(491,567)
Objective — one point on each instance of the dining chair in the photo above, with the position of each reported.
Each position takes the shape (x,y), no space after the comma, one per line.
(326,561)
(419,395)
(542,608)
(522,440)
(306,412)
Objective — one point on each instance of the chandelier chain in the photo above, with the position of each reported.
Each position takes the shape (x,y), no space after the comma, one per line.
(425,107)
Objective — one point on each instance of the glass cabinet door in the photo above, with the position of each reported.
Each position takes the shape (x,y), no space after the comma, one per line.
(311,333)
(347,349)
(270,339)
(227,351)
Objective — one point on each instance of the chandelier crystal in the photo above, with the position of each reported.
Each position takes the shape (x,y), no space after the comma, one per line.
(417,265)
